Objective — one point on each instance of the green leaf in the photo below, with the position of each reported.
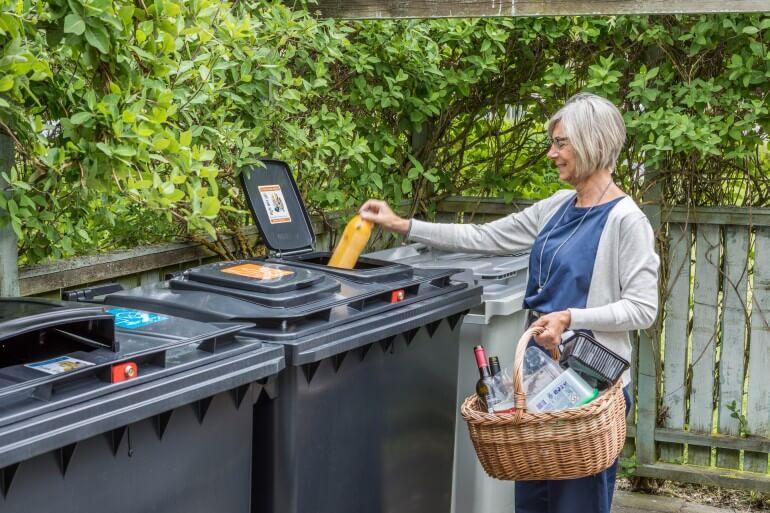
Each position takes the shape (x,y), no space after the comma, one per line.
(83,234)
(406,186)
(125,151)
(208,228)
(6,83)
(417,164)
(97,36)
(377,179)
(144,130)
(105,148)
(185,138)
(80,118)
(74,24)
(210,206)
(750,30)
(16,225)
(160,144)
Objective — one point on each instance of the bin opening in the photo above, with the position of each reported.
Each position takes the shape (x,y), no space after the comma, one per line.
(366,270)
(38,345)
(361,264)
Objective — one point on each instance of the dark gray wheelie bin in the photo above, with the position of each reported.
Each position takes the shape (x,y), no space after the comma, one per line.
(364,417)
(126,411)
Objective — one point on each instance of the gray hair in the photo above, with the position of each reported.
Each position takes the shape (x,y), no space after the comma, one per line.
(595,129)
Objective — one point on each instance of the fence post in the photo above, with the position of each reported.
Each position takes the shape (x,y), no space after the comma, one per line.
(9,266)
(649,350)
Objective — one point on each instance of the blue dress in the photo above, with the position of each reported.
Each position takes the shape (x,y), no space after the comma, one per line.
(560,272)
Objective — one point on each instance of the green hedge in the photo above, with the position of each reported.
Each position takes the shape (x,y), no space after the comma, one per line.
(132,119)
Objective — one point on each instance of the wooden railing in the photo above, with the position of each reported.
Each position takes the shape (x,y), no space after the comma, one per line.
(711,346)
(130,268)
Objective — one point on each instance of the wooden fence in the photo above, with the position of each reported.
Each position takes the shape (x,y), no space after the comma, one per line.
(702,396)
(388,9)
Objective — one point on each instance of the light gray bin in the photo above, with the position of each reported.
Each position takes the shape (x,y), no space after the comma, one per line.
(496,324)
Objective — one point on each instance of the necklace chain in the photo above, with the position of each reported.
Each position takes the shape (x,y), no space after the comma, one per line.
(548,236)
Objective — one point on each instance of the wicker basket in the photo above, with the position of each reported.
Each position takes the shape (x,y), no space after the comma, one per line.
(565,444)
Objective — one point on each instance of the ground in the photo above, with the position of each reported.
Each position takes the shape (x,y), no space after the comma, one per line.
(683,498)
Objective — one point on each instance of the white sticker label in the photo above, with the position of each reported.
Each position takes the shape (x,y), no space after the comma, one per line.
(275,204)
(59,364)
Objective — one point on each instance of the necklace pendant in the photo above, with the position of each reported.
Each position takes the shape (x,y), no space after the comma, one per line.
(539,290)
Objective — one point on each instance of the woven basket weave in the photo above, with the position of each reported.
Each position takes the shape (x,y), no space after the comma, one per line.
(564,444)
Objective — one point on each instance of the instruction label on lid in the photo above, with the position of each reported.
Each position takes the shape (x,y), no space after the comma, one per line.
(59,364)
(259,272)
(275,203)
(133,319)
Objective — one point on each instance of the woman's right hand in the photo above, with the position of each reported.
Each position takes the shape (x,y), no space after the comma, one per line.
(378,212)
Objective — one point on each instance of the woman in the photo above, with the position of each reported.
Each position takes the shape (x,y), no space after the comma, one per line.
(592,264)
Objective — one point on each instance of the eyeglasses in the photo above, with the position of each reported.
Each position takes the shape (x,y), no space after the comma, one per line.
(559,142)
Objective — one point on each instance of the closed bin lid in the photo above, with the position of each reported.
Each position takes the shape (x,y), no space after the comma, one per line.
(255,276)
(264,283)
(500,275)
(277,207)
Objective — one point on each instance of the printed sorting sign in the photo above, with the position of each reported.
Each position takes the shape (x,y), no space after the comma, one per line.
(58,365)
(275,204)
(132,319)
(259,272)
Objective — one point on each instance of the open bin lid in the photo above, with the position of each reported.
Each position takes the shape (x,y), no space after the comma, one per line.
(56,353)
(87,324)
(56,390)
(277,208)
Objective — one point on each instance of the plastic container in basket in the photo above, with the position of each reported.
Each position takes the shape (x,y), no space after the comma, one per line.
(563,444)
(550,387)
(586,356)
(566,391)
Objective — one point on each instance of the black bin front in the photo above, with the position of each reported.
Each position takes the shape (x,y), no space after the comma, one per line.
(174,437)
(364,416)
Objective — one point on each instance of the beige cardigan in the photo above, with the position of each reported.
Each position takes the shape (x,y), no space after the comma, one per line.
(623,295)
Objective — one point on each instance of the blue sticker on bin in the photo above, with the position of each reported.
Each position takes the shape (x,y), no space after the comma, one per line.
(132,319)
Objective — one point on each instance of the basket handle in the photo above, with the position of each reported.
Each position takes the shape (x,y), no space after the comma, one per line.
(519,396)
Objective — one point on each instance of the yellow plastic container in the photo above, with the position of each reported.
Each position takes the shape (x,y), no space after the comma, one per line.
(352,243)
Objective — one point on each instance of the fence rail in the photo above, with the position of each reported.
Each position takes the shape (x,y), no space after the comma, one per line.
(703,395)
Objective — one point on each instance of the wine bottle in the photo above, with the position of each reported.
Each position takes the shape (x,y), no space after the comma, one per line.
(494,365)
(484,386)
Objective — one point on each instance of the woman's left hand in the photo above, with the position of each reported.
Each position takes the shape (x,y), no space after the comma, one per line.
(553,325)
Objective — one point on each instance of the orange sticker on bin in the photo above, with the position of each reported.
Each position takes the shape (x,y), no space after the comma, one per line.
(259,272)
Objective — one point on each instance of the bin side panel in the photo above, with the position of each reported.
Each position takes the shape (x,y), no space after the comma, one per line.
(196,467)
